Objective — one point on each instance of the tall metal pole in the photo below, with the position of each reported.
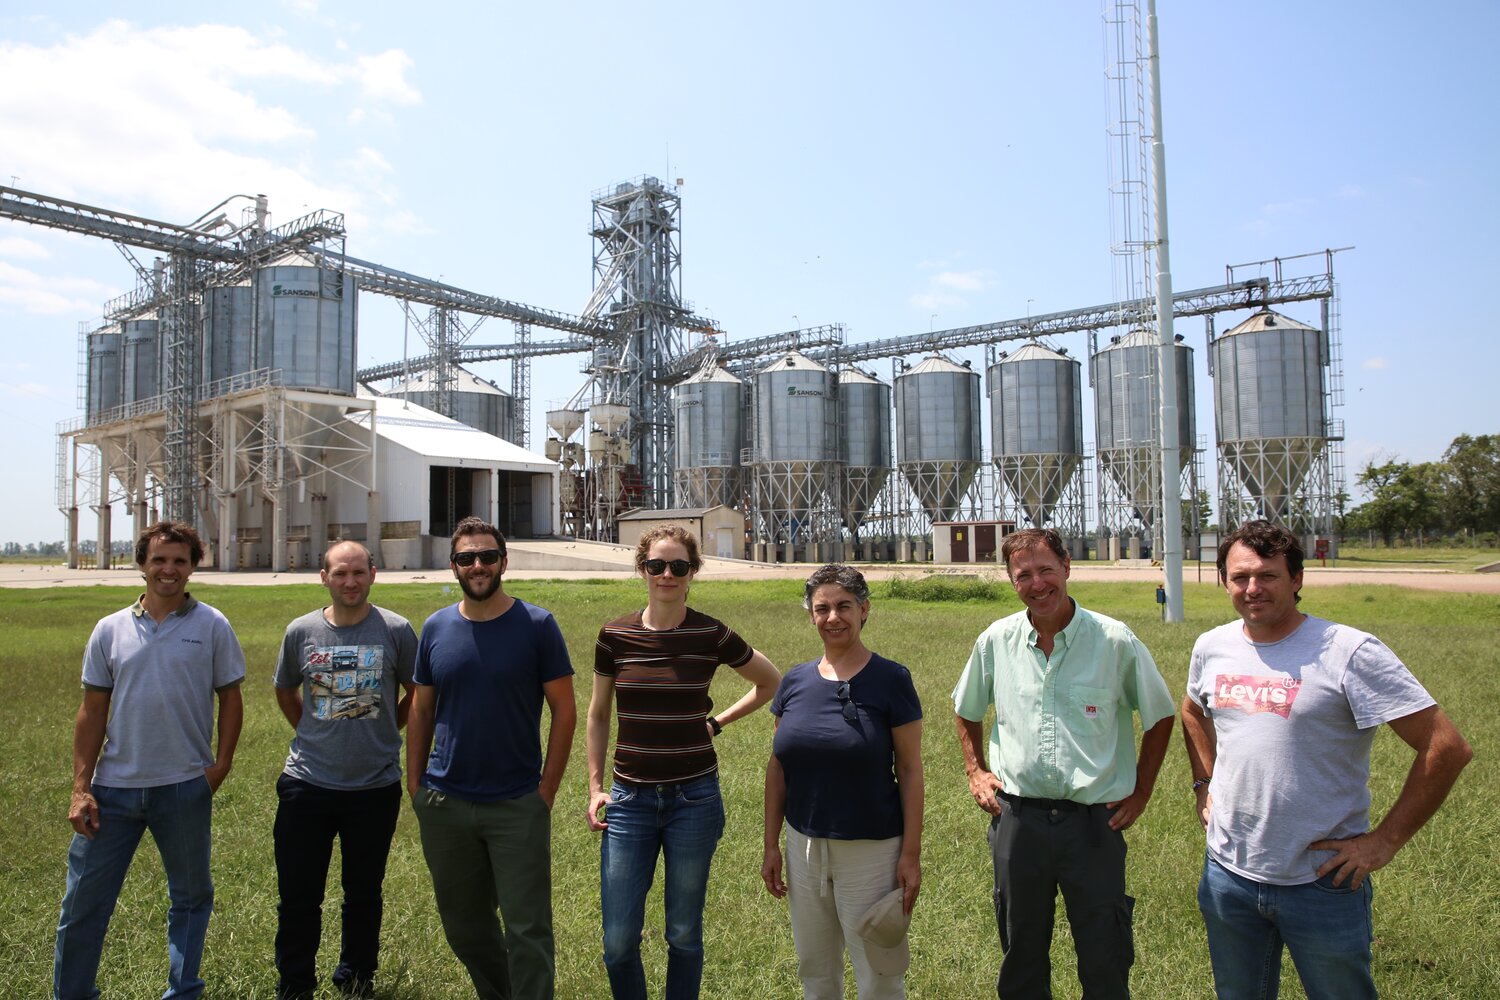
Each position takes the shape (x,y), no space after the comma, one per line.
(1171,471)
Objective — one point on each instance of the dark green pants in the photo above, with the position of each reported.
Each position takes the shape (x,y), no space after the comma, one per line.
(484,856)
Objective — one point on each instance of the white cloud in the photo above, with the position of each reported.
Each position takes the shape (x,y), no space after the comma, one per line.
(166,121)
(18,248)
(964,281)
(50,294)
(30,389)
(1351,191)
(943,288)
(1375,363)
(383,78)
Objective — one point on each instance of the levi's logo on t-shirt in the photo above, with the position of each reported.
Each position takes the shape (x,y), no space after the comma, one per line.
(1091,711)
(1251,693)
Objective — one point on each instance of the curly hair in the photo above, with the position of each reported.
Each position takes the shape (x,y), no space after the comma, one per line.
(172,532)
(1266,540)
(837,575)
(668,532)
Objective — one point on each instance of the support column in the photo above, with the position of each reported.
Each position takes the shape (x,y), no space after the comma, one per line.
(72,516)
(372,527)
(139,512)
(317,529)
(104,511)
(229,508)
(279,553)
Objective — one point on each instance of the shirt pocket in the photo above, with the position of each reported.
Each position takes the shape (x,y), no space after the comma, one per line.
(1092,708)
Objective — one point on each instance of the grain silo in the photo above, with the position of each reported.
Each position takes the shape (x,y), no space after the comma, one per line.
(1036,436)
(1127,437)
(227,315)
(864,411)
(938,433)
(472,401)
(141,363)
(795,453)
(307,326)
(102,385)
(1272,426)
(708,409)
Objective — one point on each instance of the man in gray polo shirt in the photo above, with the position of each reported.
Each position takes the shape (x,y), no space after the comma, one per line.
(142,761)
(336,681)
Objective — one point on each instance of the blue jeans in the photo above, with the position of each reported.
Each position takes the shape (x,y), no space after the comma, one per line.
(684,823)
(179,818)
(1327,929)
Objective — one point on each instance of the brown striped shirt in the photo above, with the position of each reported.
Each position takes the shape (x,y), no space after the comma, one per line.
(661,694)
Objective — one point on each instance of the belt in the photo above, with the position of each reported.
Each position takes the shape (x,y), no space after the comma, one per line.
(1051,805)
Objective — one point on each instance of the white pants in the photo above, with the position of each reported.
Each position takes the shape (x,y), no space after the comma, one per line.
(830,885)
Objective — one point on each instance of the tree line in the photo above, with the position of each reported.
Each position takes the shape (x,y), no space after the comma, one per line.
(1456,496)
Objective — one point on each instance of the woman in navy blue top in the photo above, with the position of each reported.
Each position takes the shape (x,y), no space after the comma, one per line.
(845,778)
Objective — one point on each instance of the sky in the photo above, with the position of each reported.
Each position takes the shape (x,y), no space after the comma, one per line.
(892,167)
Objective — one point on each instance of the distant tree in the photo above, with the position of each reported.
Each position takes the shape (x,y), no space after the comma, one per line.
(1404,498)
(1471,483)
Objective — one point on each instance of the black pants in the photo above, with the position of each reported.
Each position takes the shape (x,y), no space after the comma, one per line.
(1039,847)
(307,819)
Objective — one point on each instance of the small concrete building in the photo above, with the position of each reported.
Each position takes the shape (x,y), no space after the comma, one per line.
(720,529)
(969,541)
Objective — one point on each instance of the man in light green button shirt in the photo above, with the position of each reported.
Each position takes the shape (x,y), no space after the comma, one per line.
(1062,780)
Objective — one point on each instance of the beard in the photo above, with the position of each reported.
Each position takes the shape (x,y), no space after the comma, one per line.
(475,594)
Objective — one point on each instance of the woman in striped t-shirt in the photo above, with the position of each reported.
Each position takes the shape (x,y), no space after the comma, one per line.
(658,663)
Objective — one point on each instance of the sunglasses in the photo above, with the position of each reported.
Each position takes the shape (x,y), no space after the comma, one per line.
(656,567)
(846,703)
(486,556)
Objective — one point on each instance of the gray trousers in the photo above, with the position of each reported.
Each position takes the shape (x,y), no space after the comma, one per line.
(1039,846)
(488,855)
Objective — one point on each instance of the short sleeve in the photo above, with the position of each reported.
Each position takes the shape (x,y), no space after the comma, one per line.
(1195,674)
(976,685)
(421,671)
(604,656)
(289,661)
(905,706)
(778,700)
(553,660)
(229,658)
(1152,698)
(98,671)
(406,651)
(733,651)
(1379,686)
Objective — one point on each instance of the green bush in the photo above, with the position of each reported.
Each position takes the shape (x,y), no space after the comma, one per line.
(947,588)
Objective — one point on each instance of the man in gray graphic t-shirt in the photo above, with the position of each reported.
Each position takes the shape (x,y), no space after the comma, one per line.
(344,682)
(1280,714)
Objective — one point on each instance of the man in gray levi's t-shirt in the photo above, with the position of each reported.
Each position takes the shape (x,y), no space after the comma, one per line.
(1280,714)
(338,679)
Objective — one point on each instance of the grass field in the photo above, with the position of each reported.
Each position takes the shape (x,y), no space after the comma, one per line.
(1459,558)
(1436,907)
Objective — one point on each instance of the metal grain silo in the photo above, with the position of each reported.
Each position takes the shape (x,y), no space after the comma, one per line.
(1269,407)
(864,411)
(1126,432)
(142,360)
(1036,434)
(307,326)
(796,446)
(708,409)
(938,433)
(472,401)
(102,388)
(228,318)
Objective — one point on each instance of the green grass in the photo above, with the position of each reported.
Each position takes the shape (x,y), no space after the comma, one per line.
(1459,558)
(1437,906)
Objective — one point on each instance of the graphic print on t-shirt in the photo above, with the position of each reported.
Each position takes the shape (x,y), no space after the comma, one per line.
(345,681)
(1251,693)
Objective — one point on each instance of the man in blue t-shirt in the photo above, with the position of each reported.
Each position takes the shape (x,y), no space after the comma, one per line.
(479,784)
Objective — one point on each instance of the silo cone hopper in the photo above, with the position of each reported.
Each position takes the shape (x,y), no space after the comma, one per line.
(564,422)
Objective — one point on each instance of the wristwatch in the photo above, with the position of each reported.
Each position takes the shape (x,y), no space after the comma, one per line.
(713,724)
(1202,782)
